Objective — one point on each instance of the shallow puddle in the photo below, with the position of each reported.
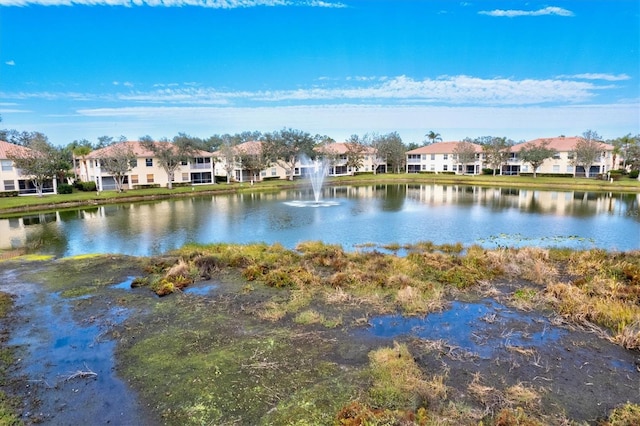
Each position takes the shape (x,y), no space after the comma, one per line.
(201,290)
(67,362)
(125,285)
(466,325)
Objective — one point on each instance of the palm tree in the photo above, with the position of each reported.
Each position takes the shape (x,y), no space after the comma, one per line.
(433,137)
(82,151)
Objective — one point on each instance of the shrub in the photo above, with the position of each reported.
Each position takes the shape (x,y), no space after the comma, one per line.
(64,188)
(85,186)
(633,174)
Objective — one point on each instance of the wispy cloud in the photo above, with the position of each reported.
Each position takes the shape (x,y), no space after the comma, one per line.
(214,4)
(10,63)
(446,90)
(598,76)
(550,10)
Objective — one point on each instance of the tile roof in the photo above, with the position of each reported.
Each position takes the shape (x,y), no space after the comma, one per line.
(441,148)
(560,144)
(341,148)
(6,148)
(138,149)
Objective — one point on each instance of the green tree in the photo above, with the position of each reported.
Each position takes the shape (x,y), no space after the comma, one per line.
(587,151)
(286,147)
(117,159)
(40,161)
(79,150)
(355,155)
(170,155)
(535,154)
(496,151)
(391,150)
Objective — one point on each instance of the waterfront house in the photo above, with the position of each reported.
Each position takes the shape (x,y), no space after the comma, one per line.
(12,179)
(444,157)
(563,162)
(145,170)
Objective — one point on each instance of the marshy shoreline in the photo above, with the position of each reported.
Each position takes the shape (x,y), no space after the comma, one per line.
(260,334)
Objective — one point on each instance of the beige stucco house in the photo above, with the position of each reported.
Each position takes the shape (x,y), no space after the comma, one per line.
(12,179)
(145,170)
(441,157)
(336,153)
(563,161)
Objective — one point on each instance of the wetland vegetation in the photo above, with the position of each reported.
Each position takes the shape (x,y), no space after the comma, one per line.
(283,336)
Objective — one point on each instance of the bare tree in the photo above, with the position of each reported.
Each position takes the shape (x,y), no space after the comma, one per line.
(355,153)
(587,151)
(170,155)
(252,159)
(465,153)
(117,160)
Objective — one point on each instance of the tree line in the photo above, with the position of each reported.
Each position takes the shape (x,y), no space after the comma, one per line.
(286,147)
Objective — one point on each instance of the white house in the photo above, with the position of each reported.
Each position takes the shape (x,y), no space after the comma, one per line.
(145,170)
(12,178)
(442,157)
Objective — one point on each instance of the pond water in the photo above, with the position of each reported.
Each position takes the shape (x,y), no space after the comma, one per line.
(463,325)
(352,216)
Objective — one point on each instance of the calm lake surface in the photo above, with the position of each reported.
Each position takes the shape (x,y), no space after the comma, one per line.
(349,215)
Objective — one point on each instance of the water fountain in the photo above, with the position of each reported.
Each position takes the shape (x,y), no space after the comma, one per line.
(317,173)
(316,170)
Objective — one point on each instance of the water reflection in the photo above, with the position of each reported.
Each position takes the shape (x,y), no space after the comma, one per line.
(380,214)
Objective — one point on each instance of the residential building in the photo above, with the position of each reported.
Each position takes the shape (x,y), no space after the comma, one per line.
(563,161)
(336,153)
(12,178)
(442,157)
(145,169)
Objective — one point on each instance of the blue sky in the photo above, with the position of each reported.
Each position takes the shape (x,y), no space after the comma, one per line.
(76,69)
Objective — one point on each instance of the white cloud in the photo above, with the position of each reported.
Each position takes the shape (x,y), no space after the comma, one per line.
(550,10)
(341,121)
(215,4)
(446,90)
(10,63)
(598,76)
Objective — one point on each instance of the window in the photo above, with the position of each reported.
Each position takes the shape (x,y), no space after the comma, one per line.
(556,156)
(134,178)
(433,156)
(7,165)
(150,178)
(445,167)
(133,163)
(148,162)
(556,168)
(569,169)
(9,185)
(433,167)
(445,156)
(273,172)
(185,177)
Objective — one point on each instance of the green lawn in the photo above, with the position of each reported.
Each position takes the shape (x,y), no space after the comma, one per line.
(50,201)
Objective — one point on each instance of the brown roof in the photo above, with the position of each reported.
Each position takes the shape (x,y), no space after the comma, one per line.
(442,148)
(138,149)
(560,144)
(7,148)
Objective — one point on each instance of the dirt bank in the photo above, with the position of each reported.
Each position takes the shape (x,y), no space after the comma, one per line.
(92,350)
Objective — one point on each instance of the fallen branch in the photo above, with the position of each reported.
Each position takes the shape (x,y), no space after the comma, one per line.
(82,374)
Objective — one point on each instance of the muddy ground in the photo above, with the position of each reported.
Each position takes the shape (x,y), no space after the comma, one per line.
(89,349)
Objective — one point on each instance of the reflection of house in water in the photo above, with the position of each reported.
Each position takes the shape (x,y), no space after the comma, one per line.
(14,231)
(573,203)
